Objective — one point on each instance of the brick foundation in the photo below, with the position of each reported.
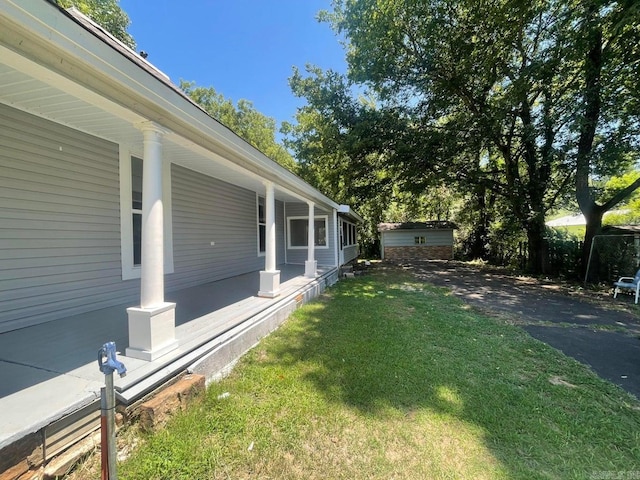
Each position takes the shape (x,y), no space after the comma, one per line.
(418,252)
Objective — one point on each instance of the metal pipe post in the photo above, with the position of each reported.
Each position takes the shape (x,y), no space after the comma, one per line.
(104,449)
(108,409)
(110,403)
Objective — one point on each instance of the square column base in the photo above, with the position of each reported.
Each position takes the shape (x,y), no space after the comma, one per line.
(310,268)
(269,284)
(152,331)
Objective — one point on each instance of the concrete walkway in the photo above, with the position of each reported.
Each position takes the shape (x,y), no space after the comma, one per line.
(595,329)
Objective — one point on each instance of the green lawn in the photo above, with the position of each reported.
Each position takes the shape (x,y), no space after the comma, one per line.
(576,231)
(384,377)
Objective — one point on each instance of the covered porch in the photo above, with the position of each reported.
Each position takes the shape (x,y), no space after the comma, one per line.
(50,371)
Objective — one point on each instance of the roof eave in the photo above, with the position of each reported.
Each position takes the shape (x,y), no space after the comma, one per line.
(64,45)
(347,211)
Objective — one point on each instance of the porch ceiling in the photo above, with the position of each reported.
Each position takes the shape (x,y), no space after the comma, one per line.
(32,88)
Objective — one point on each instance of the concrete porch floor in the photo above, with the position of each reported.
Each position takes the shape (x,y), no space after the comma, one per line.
(50,370)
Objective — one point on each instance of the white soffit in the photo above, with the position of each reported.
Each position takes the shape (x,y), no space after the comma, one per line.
(30,86)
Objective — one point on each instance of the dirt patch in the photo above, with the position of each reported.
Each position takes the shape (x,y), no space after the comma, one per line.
(559,381)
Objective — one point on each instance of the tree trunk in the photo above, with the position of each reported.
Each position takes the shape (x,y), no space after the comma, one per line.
(594,224)
(479,235)
(538,248)
(592,211)
(590,118)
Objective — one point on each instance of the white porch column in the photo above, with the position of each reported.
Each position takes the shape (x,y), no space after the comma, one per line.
(336,237)
(152,325)
(270,277)
(311,265)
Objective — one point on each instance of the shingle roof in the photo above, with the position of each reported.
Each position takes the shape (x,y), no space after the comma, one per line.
(621,229)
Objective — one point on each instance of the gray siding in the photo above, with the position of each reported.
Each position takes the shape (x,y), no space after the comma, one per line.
(404,238)
(324,256)
(350,253)
(207,210)
(60,225)
(59,222)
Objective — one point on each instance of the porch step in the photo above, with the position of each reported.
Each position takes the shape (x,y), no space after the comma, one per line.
(229,332)
(159,377)
(59,435)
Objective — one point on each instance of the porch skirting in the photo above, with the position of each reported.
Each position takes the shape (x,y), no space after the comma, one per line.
(229,347)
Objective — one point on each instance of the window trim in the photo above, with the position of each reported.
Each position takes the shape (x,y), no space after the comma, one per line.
(315,219)
(129,270)
(261,253)
(420,240)
(351,238)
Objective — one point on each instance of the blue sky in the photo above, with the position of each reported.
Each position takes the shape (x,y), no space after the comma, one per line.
(245,49)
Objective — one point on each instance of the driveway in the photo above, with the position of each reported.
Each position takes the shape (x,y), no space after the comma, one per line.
(593,328)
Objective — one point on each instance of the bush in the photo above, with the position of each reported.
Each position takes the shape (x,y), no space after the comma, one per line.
(565,251)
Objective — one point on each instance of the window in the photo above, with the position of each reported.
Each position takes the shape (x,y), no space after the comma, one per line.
(131,168)
(262,227)
(298,232)
(136,209)
(345,234)
(419,240)
(348,234)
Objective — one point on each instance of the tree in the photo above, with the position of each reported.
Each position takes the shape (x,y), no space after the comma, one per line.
(629,208)
(340,141)
(245,121)
(106,13)
(608,65)
(502,93)
(471,78)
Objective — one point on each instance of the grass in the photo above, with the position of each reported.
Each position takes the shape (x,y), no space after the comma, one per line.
(573,230)
(384,377)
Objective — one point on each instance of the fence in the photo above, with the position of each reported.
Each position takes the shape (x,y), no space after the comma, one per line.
(613,256)
(563,256)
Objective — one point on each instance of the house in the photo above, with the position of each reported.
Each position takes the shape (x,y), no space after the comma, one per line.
(416,240)
(128,213)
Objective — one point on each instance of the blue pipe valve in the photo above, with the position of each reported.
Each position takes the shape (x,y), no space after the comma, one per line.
(108,350)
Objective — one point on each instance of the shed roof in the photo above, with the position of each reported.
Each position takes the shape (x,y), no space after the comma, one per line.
(621,229)
(430,225)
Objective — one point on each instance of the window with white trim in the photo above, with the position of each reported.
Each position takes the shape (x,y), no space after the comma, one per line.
(298,232)
(136,209)
(419,240)
(345,234)
(349,238)
(262,227)
(131,168)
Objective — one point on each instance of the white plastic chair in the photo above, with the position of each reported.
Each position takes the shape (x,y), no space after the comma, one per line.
(628,283)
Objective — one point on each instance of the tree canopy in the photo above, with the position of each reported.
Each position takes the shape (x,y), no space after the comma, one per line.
(245,121)
(501,99)
(108,14)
